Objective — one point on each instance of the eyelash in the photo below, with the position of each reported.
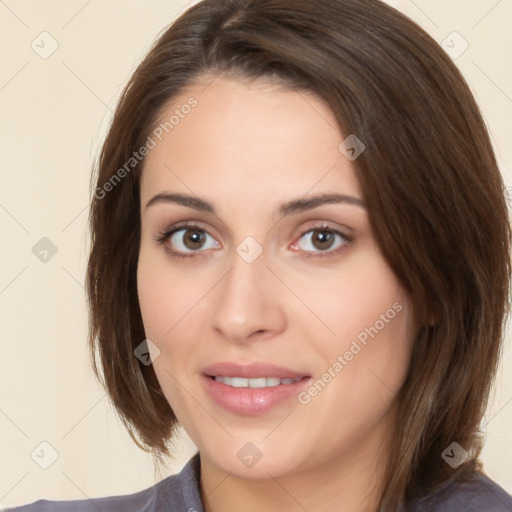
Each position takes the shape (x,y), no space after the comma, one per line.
(163,236)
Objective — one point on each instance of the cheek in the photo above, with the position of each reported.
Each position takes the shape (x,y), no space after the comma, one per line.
(154,297)
(172,308)
(363,297)
(166,304)
(165,295)
(374,371)
(358,381)
(367,355)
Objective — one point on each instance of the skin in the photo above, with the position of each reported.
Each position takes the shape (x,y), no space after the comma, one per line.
(248,147)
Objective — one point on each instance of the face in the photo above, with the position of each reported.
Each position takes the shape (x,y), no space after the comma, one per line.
(280,336)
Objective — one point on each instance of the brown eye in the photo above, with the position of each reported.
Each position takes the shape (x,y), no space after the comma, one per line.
(322,242)
(187,240)
(193,238)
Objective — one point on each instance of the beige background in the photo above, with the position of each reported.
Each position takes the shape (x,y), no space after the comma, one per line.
(54,113)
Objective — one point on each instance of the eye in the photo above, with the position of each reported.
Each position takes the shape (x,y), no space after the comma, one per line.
(321,242)
(185,240)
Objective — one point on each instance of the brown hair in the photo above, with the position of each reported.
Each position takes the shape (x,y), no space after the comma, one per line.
(429,178)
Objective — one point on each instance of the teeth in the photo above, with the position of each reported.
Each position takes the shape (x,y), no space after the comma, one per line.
(269,382)
(259,382)
(239,382)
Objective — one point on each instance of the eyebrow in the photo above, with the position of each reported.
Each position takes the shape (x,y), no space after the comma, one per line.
(288,208)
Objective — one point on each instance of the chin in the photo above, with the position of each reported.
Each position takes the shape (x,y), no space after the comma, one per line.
(255,460)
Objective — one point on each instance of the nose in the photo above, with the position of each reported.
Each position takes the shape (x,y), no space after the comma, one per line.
(248,303)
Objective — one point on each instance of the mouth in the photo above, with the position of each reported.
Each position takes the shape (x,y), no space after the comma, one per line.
(253,389)
(256,383)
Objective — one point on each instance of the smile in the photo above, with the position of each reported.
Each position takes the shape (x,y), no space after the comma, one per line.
(252,389)
(258,382)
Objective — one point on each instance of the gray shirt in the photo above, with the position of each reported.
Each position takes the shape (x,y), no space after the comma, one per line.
(180,493)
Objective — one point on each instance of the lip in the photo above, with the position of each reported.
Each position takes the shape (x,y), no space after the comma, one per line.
(251,401)
(251,371)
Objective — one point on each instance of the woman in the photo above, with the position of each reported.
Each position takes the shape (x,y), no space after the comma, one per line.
(300,252)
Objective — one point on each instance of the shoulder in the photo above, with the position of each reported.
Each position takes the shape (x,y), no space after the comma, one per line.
(473,494)
(175,493)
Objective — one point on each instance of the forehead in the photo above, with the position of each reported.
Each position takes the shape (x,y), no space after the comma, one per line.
(247,140)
